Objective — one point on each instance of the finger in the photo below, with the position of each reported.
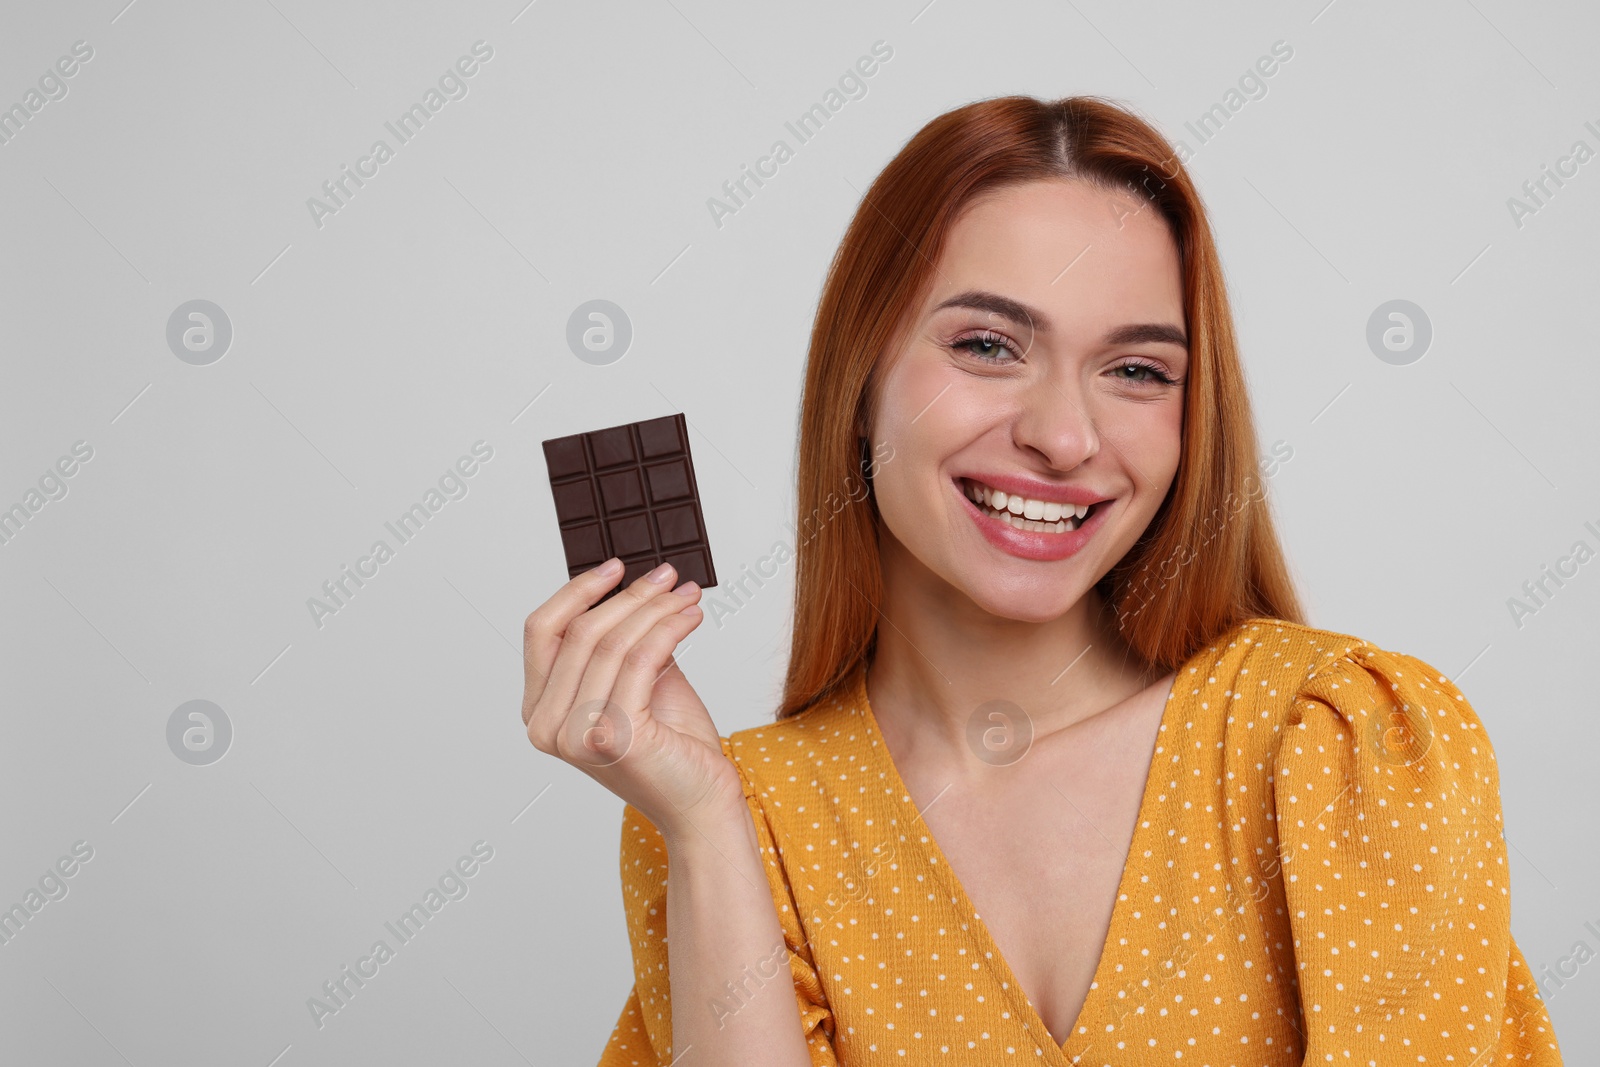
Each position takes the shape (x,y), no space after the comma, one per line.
(652,655)
(610,652)
(576,644)
(541,632)
(614,705)
(617,649)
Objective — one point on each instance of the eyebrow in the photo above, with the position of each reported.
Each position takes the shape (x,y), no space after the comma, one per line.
(1016,311)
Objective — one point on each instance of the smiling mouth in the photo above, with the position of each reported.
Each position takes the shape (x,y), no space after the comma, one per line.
(1048,517)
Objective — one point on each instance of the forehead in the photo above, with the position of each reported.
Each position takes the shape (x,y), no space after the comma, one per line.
(1078,251)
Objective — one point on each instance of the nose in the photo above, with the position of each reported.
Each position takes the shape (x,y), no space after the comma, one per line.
(1057,422)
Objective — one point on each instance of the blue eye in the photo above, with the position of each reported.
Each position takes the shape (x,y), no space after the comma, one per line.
(982,345)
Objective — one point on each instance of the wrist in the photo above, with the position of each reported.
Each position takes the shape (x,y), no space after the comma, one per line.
(715,830)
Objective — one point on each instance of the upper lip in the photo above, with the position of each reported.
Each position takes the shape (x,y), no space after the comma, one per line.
(1034,489)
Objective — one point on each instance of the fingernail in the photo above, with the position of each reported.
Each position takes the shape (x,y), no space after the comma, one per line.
(660,574)
(609,567)
(687,588)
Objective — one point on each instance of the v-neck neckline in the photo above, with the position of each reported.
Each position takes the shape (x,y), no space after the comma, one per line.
(1143,832)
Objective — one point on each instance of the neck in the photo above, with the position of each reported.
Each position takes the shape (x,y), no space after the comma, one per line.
(939,657)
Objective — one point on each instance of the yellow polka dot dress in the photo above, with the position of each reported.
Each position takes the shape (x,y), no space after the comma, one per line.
(1317,876)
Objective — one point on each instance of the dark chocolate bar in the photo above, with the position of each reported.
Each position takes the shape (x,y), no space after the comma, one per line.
(629,491)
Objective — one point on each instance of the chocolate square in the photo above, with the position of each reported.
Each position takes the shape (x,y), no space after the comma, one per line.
(565,457)
(585,546)
(659,437)
(613,447)
(678,526)
(576,500)
(693,566)
(620,490)
(669,481)
(630,536)
(629,491)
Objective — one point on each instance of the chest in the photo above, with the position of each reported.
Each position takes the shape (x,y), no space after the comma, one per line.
(1005,890)
(1040,852)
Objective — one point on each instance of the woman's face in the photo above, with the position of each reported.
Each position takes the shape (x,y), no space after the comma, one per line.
(1047,364)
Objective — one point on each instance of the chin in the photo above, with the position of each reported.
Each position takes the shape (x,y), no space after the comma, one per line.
(1028,604)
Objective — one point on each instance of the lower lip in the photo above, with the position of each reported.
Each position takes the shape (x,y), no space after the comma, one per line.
(1031,544)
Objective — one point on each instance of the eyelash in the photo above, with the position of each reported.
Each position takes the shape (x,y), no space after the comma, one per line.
(1157,375)
(986,337)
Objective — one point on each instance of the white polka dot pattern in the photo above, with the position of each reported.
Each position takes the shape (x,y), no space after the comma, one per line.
(1317,876)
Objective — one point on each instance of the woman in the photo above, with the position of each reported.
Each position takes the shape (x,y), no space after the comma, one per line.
(1060,775)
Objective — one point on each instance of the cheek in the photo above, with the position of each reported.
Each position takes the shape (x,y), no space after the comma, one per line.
(926,410)
(1150,436)
(903,484)
(928,415)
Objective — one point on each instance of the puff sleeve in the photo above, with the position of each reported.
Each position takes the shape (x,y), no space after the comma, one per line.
(643,1034)
(1387,801)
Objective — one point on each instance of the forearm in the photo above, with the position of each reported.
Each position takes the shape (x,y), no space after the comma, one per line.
(733,999)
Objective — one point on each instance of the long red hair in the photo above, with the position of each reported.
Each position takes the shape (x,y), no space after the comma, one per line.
(1192,575)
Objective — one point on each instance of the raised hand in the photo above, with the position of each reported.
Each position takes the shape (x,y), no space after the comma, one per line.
(603,693)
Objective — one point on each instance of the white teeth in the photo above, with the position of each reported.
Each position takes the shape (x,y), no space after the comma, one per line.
(1025,514)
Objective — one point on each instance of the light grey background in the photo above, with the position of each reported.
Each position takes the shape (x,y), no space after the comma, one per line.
(430,313)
